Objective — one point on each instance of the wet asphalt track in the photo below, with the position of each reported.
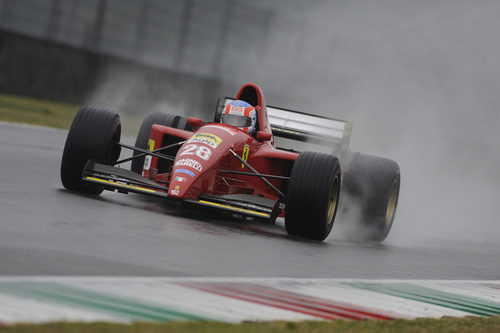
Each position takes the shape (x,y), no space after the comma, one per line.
(46,230)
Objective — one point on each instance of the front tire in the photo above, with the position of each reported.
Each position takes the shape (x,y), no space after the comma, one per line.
(94,134)
(370,196)
(313,195)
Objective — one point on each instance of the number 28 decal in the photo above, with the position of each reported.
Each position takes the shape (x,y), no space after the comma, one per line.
(200,151)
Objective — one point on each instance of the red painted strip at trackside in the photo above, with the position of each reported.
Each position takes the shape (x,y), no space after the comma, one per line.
(341,309)
(264,302)
(316,301)
(295,302)
(329,310)
(493,285)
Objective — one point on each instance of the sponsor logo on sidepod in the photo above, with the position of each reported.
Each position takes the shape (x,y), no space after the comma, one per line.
(189,163)
(191,173)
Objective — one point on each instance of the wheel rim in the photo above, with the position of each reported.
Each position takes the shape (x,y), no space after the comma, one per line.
(393,202)
(334,196)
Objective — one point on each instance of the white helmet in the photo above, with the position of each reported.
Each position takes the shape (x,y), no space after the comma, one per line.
(240,114)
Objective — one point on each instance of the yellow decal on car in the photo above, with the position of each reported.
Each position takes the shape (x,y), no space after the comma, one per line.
(244,155)
(151,144)
(233,208)
(209,139)
(117,184)
(147,159)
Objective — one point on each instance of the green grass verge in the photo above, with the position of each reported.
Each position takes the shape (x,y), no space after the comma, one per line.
(18,109)
(443,325)
(36,112)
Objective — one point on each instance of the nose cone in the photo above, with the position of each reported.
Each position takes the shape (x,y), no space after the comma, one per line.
(195,165)
(182,179)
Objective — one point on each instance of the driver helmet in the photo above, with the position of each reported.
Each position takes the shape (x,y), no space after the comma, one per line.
(240,114)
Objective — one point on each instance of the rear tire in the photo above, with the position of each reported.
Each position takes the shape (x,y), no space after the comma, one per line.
(92,135)
(370,195)
(142,139)
(313,195)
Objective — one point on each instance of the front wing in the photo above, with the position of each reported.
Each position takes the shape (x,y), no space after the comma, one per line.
(125,181)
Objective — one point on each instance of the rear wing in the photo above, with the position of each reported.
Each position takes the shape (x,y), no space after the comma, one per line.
(324,133)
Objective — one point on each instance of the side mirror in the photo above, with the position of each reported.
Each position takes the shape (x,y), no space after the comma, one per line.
(264,136)
(195,122)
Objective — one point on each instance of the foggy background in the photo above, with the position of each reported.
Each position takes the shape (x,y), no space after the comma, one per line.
(419,80)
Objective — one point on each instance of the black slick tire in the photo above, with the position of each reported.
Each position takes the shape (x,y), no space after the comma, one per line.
(92,135)
(313,195)
(370,196)
(142,139)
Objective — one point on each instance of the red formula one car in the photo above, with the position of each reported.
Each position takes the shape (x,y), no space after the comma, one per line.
(253,160)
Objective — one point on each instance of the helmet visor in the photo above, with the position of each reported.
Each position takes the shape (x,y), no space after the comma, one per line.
(236,120)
